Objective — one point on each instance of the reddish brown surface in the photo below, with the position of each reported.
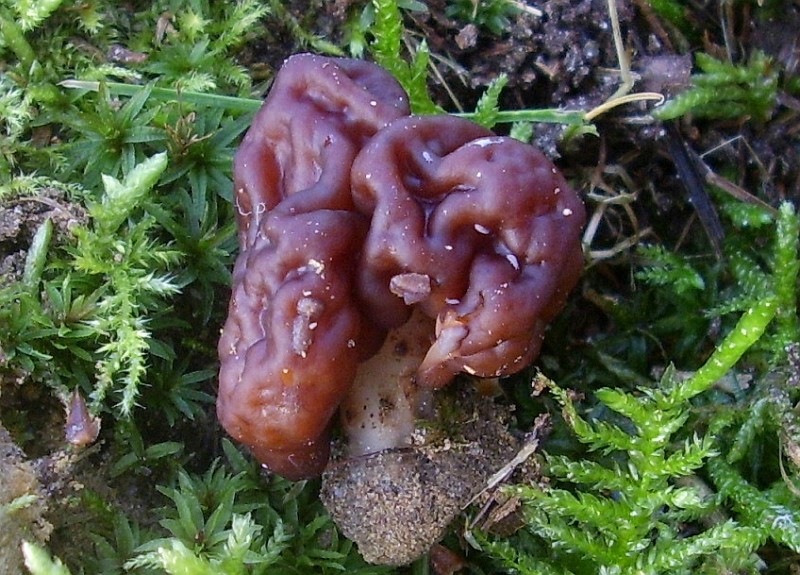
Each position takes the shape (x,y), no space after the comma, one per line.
(480,232)
(490,223)
(288,350)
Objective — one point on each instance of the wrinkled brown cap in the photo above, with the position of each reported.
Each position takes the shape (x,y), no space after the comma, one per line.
(482,232)
(289,347)
(351,213)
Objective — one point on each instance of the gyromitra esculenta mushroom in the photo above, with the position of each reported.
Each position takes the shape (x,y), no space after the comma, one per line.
(353,214)
(480,232)
(292,341)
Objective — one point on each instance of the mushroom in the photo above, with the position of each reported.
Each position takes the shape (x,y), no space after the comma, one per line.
(356,221)
(292,340)
(480,232)
(475,233)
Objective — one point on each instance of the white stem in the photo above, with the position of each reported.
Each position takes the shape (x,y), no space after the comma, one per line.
(382,406)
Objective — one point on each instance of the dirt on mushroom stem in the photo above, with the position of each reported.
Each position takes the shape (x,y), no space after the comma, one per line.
(395,504)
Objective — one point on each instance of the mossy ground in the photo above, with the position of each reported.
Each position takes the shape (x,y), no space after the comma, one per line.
(636,311)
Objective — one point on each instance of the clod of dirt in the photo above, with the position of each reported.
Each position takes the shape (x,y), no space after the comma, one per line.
(549,58)
(396,504)
(21,506)
(20,218)
(667,74)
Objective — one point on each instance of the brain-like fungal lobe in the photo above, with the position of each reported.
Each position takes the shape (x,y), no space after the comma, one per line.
(354,214)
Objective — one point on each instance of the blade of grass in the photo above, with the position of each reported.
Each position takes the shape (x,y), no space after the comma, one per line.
(249,105)
(232,103)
